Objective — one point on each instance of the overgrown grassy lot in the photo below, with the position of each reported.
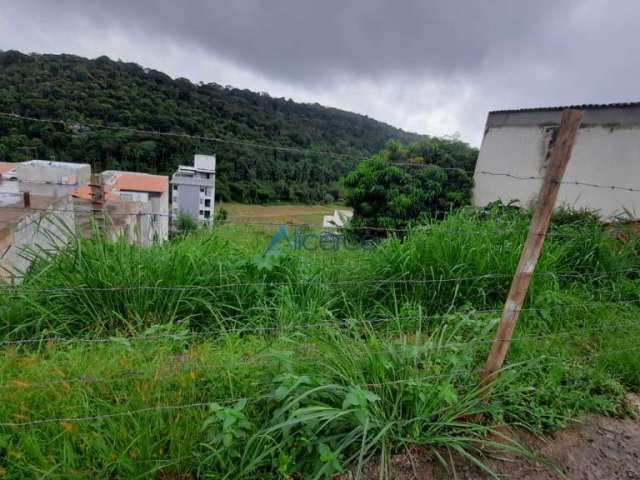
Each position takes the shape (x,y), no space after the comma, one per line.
(204,358)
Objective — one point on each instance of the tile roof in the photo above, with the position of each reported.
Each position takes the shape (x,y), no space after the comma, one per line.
(6,167)
(586,106)
(141,183)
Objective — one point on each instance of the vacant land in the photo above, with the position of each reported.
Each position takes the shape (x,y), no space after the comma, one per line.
(307,214)
(205,358)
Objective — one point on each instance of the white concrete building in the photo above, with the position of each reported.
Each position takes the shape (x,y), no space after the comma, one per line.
(193,189)
(606,152)
(338,219)
(49,178)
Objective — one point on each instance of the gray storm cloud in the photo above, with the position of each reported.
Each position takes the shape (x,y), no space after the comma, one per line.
(432,66)
(308,40)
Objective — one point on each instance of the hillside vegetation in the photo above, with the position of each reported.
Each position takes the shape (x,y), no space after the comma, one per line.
(108,92)
(205,358)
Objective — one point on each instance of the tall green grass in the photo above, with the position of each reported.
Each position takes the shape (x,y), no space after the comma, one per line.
(220,280)
(313,404)
(311,362)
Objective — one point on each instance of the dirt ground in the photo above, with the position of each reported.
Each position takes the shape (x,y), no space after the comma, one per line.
(594,448)
(311,214)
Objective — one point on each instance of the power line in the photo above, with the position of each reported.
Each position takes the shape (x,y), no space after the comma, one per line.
(206,138)
(68,123)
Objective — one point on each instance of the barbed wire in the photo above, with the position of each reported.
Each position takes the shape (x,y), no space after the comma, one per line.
(563,182)
(191,365)
(342,323)
(237,220)
(161,408)
(225,401)
(21,288)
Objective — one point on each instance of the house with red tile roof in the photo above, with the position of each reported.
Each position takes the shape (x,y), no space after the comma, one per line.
(7,170)
(145,188)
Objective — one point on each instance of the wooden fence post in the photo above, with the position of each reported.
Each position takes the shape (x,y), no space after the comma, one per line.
(558,160)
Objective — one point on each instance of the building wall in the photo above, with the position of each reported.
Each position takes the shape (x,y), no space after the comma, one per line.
(42,171)
(160,207)
(187,199)
(47,230)
(604,155)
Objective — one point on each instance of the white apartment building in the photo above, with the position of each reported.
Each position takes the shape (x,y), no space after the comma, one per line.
(193,189)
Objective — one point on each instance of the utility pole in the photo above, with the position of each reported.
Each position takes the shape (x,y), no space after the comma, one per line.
(558,160)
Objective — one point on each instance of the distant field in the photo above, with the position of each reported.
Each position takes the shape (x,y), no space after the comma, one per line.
(310,214)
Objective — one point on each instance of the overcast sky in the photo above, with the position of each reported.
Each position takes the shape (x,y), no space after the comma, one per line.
(429,66)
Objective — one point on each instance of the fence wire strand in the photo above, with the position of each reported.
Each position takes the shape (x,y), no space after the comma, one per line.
(187,366)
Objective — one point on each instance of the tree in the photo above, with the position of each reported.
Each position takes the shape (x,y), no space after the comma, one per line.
(386,195)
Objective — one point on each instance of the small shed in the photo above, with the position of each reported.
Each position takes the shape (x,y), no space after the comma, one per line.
(602,174)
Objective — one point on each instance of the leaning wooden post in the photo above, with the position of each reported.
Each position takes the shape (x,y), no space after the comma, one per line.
(558,160)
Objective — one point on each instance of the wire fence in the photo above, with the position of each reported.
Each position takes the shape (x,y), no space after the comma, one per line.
(181,367)
(312,283)
(160,408)
(187,364)
(52,218)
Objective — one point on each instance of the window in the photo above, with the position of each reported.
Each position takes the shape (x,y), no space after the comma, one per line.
(207,214)
(207,202)
(201,212)
(175,187)
(201,189)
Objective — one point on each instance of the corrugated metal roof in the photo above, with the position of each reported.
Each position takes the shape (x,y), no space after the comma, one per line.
(586,106)
(142,183)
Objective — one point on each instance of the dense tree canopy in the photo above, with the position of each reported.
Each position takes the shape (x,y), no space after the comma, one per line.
(402,185)
(107,92)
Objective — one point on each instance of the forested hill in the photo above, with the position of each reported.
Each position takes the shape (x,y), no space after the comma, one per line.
(107,92)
